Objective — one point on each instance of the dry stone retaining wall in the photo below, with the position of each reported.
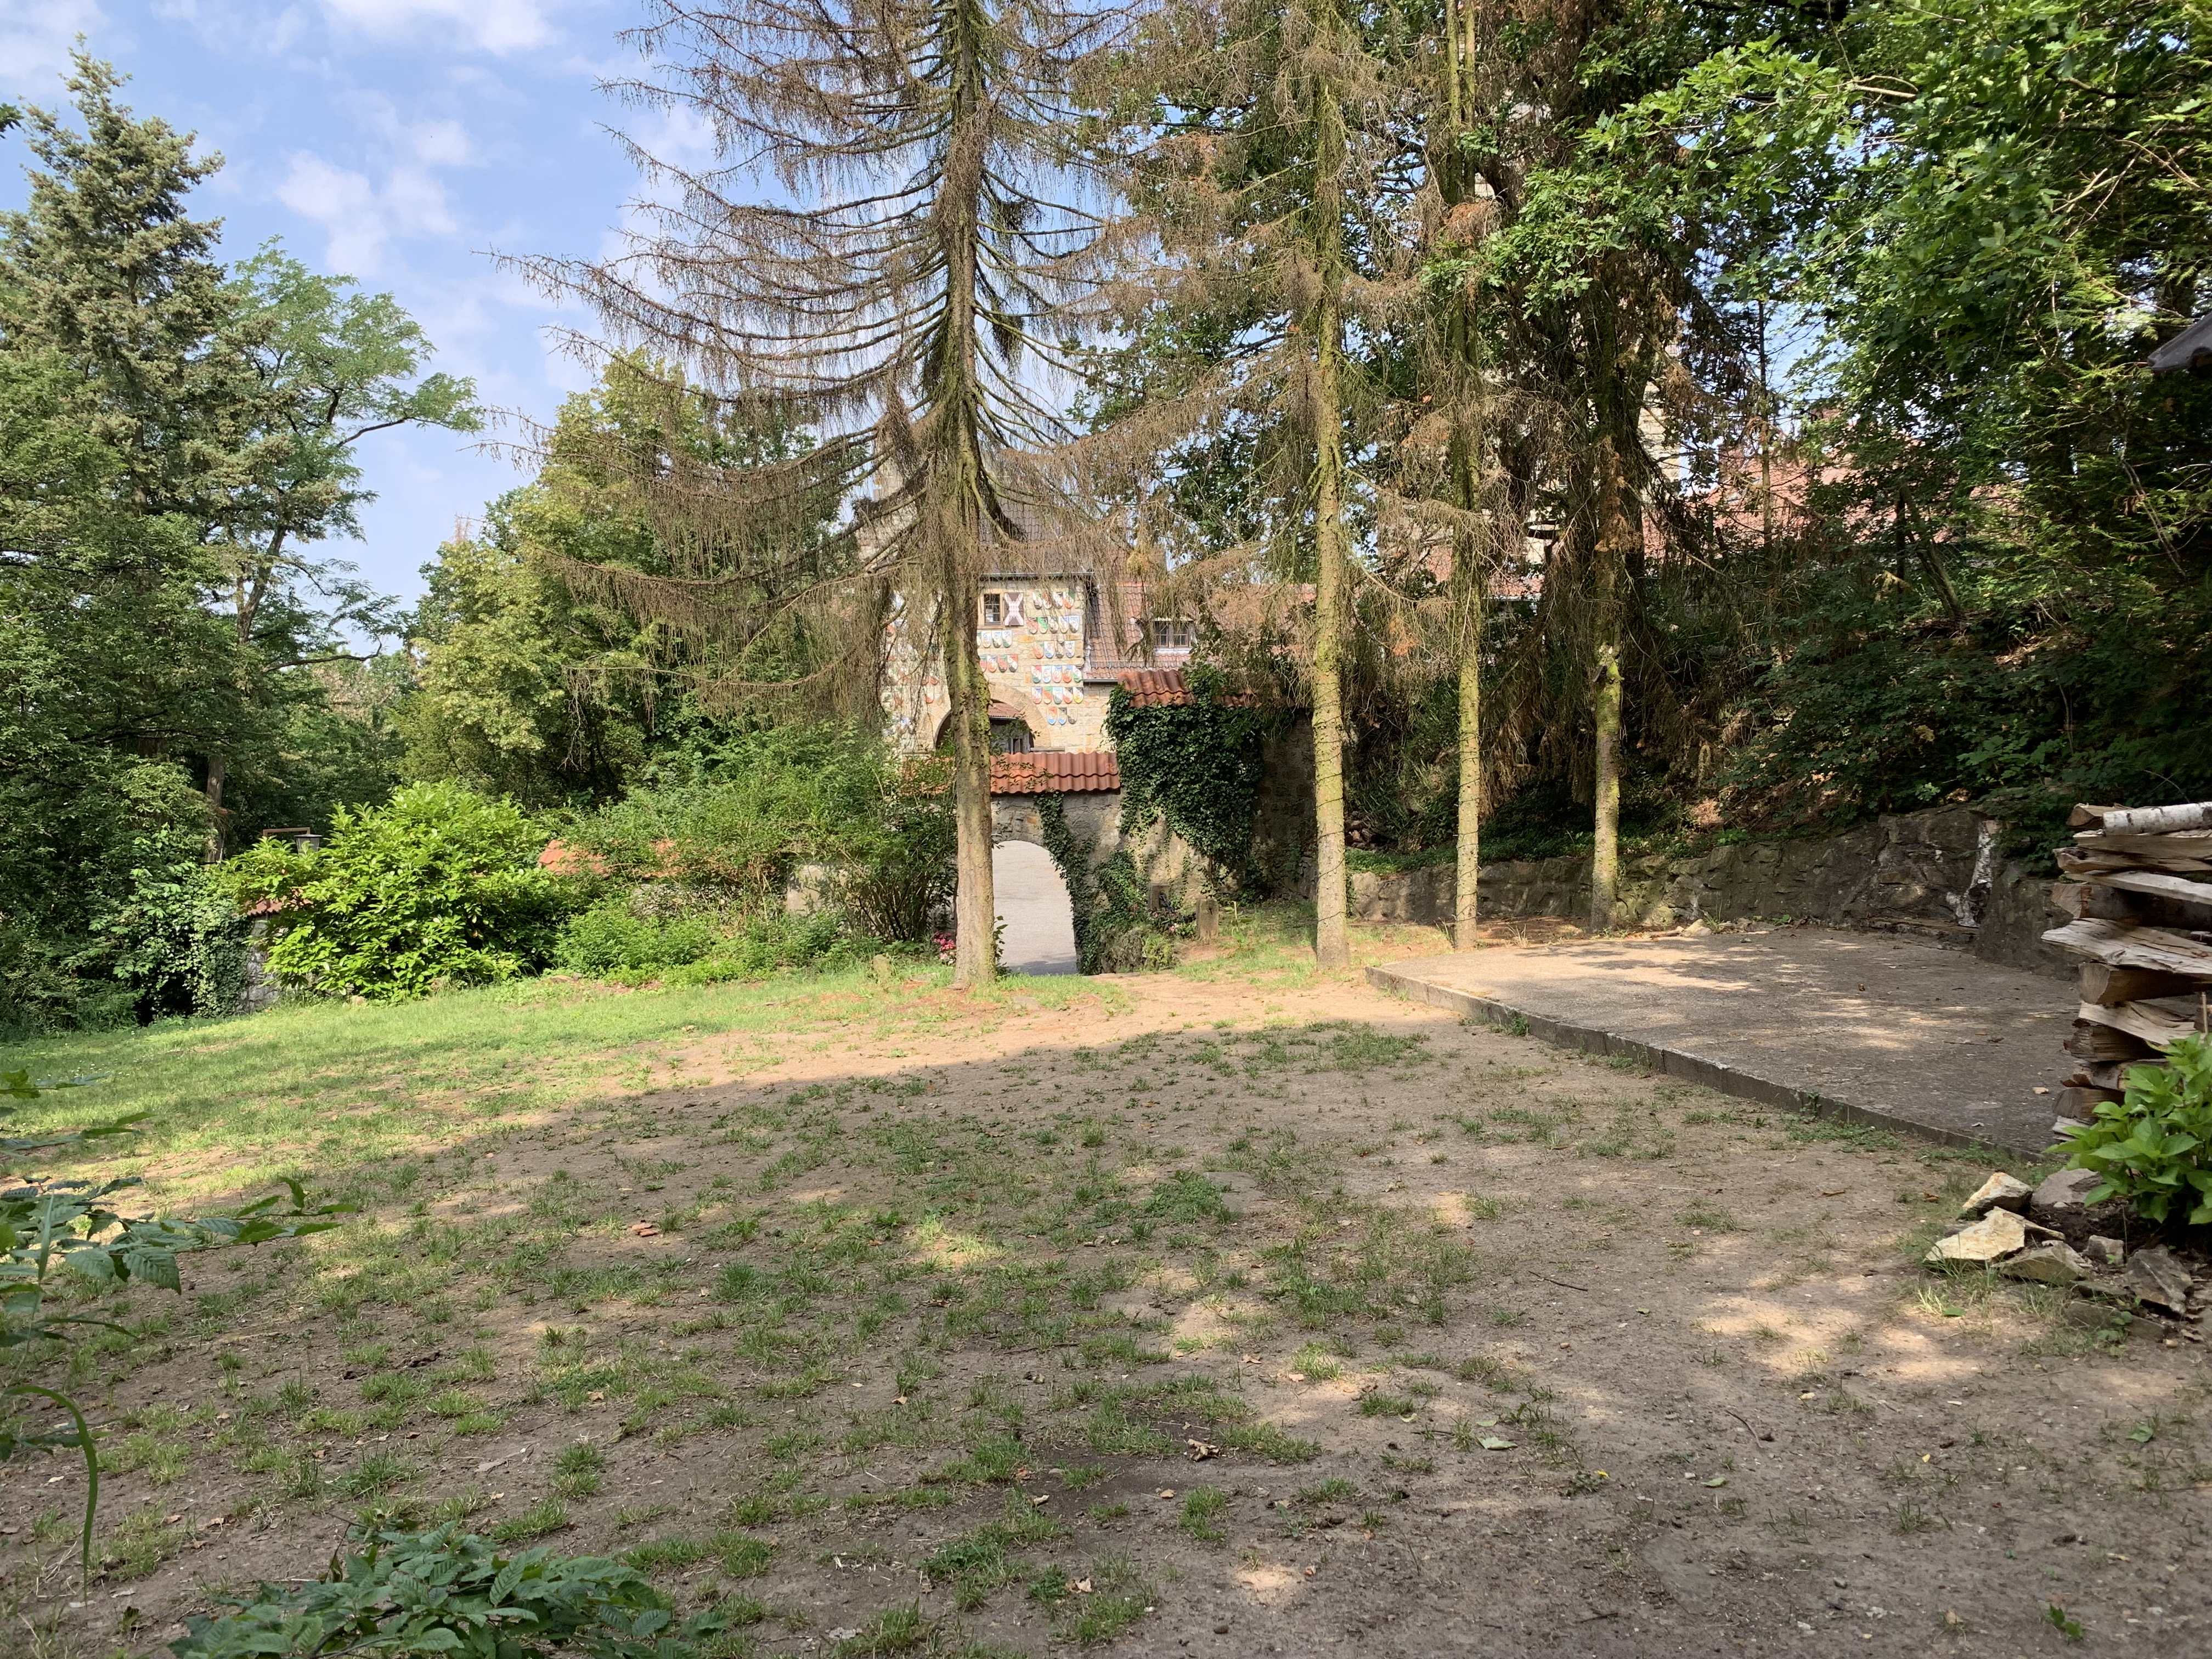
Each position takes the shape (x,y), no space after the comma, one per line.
(1936,872)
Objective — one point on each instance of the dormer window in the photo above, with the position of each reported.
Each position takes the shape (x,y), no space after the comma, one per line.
(1170,633)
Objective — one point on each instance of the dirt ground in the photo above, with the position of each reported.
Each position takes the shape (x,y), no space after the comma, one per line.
(1207,1320)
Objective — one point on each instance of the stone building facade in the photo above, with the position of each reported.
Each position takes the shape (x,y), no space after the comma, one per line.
(1052,649)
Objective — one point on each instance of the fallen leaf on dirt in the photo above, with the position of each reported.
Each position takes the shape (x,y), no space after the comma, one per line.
(644,1229)
(1717,1481)
(1082,1587)
(1166,1491)
(1200,1451)
(1493,1443)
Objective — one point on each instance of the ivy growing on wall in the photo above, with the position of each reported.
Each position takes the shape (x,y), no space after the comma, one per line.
(1114,928)
(1198,764)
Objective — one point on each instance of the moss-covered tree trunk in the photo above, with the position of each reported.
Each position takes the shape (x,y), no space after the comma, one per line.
(1331,941)
(975,911)
(1467,864)
(1610,547)
(1605,844)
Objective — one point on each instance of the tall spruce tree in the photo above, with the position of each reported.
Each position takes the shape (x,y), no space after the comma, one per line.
(1255,143)
(882,248)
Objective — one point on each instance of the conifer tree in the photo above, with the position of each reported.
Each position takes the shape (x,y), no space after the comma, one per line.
(1258,154)
(881,248)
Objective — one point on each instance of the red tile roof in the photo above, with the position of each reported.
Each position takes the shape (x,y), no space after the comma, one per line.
(1050,771)
(1154,687)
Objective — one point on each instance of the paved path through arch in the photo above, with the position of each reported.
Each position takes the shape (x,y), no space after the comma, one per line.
(1032,902)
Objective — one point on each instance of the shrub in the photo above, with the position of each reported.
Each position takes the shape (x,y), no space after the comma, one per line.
(439,886)
(774,943)
(442,1592)
(2154,1146)
(611,937)
(734,825)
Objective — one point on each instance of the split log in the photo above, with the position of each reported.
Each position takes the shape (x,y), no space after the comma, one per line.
(2153,885)
(2090,818)
(2083,1102)
(2143,1019)
(2085,902)
(2112,1075)
(2099,1044)
(2081,863)
(2182,849)
(2099,982)
(2120,945)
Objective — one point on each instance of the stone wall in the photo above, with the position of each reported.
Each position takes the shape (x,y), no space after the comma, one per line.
(1937,873)
(1283,816)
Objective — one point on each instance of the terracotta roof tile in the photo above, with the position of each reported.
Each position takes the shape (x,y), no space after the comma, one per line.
(1154,687)
(1047,771)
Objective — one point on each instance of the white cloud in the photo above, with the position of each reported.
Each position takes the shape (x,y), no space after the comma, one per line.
(360,217)
(438,142)
(492,26)
(35,37)
(244,27)
(442,143)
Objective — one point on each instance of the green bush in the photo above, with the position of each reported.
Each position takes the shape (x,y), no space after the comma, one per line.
(611,937)
(775,944)
(2154,1146)
(442,1592)
(735,822)
(440,886)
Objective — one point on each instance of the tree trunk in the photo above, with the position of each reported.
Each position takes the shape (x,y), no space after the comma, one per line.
(974,905)
(1605,846)
(217,769)
(1611,545)
(1332,943)
(960,484)
(1468,865)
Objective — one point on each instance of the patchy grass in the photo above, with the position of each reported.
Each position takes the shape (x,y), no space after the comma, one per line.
(810,1286)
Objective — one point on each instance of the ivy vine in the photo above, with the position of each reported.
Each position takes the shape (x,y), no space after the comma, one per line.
(1114,928)
(1199,763)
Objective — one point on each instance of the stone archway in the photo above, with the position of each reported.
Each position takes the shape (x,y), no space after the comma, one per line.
(1035,909)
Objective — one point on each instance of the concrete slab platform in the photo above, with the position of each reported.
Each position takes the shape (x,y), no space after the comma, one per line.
(1861,1026)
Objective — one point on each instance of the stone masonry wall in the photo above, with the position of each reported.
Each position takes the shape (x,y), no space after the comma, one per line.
(1938,872)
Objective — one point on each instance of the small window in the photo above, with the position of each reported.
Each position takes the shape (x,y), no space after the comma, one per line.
(1170,633)
(994,610)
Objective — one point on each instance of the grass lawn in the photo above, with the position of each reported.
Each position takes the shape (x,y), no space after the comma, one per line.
(1234,1310)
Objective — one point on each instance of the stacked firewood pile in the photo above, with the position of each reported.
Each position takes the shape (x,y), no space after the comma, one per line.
(2139,887)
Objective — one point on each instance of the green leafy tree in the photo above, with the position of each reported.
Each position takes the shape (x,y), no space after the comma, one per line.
(535,678)
(168,429)
(329,368)
(1971,224)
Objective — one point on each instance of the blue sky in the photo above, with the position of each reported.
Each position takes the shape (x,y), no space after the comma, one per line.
(395,141)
